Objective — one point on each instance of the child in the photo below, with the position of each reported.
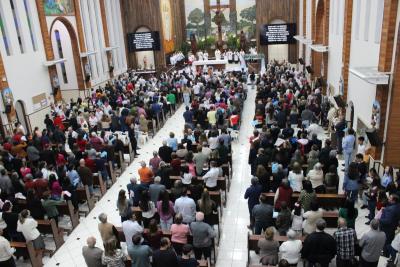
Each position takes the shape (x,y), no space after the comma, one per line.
(186,175)
(361,145)
(297,219)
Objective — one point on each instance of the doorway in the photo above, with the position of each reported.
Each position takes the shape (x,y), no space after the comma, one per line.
(21,115)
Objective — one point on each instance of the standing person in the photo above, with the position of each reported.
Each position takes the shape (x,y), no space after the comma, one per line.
(211,177)
(262,214)
(346,239)
(283,194)
(165,256)
(339,131)
(349,213)
(348,144)
(91,253)
(6,252)
(28,227)
(165,208)
(145,174)
(156,189)
(307,196)
(179,234)
(86,175)
(389,220)
(284,219)
(107,230)
(131,228)
(319,247)
(124,205)
(296,177)
(203,235)
(253,195)
(311,218)
(371,244)
(350,184)
(140,254)
(113,256)
(148,208)
(185,206)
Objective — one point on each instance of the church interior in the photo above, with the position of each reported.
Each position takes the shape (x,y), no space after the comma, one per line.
(211,133)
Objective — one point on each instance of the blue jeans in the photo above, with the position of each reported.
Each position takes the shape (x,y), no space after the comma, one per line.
(259,227)
(166,225)
(347,160)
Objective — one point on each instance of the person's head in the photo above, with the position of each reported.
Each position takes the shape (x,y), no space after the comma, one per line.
(199,216)
(321,224)
(153,227)
(155,153)
(374,224)
(360,140)
(333,169)
(254,181)
(297,168)
(187,249)
(350,131)
(165,243)
(283,263)
(359,158)
(136,239)
(307,186)
(318,167)
(23,215)
(393,199)
(352,171)
(285,183)
(269,233)
(389,171)
(297,209)
(143,164)
(314,206)
(91,241)
(291,234)
(133,180)
(178,218)
(82,163)
(342,222)
(7,206)
(263,199)
(157,180)
(103,217)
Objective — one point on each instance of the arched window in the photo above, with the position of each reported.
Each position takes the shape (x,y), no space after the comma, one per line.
(61,55)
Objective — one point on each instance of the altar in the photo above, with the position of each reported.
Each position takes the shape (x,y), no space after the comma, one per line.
(217,64)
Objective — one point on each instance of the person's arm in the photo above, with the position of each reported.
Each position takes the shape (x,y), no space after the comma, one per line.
(276,196)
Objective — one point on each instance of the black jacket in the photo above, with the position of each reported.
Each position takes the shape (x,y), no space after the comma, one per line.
(319,247)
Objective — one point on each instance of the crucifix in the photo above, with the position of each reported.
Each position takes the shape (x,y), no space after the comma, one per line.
(219,17)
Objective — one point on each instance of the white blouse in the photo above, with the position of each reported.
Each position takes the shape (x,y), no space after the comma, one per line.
(28,229)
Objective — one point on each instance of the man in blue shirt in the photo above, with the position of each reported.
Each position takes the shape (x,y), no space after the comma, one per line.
(188,116)
(253,194)
(348,147)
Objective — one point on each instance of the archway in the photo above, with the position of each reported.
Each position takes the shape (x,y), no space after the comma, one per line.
(144,59)
(65,44)
(321,35)
(278,52)
(21,115)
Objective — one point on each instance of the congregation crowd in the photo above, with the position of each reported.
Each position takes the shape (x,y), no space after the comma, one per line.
(288,159)
(84,137)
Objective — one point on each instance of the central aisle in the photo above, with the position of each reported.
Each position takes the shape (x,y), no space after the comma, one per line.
(233,243)
(70,254)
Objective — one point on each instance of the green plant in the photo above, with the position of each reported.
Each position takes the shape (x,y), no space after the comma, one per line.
(233,42)
(209,41)
(185,48)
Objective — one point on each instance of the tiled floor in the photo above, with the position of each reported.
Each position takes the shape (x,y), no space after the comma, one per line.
(232,251)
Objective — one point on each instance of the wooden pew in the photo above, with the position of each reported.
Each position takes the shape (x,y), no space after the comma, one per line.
(83,194)
(326,201)
(50,227)
(221,182)
(202,263)
(111,171)
(69,210)
(98,182)
(36,260)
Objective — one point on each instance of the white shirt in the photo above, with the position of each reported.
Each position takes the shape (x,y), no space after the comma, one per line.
(131,228)
(187,178)
(187,207)
(6,251)
(93,121)
(361,149)
(211,177)
(28,229)
(290,251)
(213,142)
(295,180)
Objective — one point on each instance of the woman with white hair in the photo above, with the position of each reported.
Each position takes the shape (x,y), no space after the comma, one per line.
(316,176)
(290,249)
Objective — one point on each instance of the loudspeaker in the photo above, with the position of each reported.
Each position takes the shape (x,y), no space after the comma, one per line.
(373,137)
(301,61)
(309,69)
(339,101)
(8,109)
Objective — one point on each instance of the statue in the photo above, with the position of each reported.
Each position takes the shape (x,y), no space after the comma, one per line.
(243,41)
(193,43)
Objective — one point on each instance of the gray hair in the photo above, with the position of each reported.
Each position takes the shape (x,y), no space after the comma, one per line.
(103,217)
(254,180)
(133,180)
(155,153)
(318,166)
(157,180)
(374,224)
(291,234)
